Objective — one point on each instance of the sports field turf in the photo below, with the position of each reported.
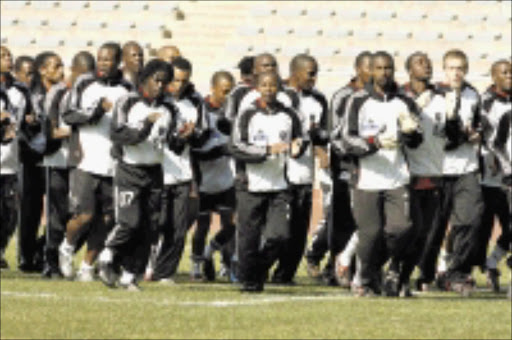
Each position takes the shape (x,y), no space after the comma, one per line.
(35,308)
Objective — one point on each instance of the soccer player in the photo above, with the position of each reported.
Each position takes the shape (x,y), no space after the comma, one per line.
(168,53)
(496,102)
(91,190)
(178,177)
(426,168)
(246,66)
(141,126)
(379,122)
(133,60)
(264,136)
(463,204)
(48,90)
(311,107)
(341,225)
(24,69)
(30,179)
(215,176)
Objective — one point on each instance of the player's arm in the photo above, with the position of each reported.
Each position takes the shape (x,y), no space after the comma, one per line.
(353,143)
(123,134)
(241,148)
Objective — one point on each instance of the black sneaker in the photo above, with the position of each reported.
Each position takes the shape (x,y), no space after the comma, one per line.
(282,282)
(107,274)
(391,284)
(209,269)
(252,287)
(3,264)
(493,279)
(51,272)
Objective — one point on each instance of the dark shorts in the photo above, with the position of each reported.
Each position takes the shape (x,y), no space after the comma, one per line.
(225,200)
(87,192)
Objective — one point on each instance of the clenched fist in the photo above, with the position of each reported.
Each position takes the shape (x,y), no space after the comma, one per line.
(407,122)
(424,99)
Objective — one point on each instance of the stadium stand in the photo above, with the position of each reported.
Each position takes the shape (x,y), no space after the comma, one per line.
(217,34)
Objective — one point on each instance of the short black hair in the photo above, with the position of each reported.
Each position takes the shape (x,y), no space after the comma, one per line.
(217,76)
(268,73)
(115,47)
(246,64)
(20,60)
(182,64)
(84,59)
(39,61)
(153,66)
(297,61)
(409,59)
(497,63)
(383,54)
(360,57)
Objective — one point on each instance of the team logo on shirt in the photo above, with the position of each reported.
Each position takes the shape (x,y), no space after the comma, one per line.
(260,136)
(284,136)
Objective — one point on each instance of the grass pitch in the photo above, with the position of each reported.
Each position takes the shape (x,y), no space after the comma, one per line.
(35,308)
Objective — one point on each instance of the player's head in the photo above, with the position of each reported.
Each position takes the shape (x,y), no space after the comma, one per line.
(83,62)
(154,78)
(501,73)
(24,69)
(5,60)
(303,71)
(168,53)
(362,65)
(264,62)
(133,57)
(48,70)
(221,84)
(419,66)
(455,65)
(383,69)
(108,60)
(246,65)
(182,72)
(267,84)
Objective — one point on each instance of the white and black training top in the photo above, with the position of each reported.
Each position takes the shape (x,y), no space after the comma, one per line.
(16,102)
(370,115)
(461,156)
(311,107)
(177,167)
(255,129)
(215,167)
(494,106)
(93,122)
(55,104)
(427,159)
(502,144)
(142,142)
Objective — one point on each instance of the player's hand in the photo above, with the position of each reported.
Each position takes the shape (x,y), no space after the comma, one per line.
(277,148)
(187,129)
(473,136)
(389,143)
(424,99)
(30,118)
(10,132)
(295,147)
(62,132)
(153,117)
(106,104)
(407,122)
(451,102)
(4,115)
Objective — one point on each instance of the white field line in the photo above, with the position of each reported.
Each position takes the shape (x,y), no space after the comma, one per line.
(167,302)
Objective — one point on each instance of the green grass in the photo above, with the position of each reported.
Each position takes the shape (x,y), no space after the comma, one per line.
(35,308)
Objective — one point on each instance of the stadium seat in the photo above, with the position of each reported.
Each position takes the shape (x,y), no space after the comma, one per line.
(77,42)
(291,51)
(411,16)
(498,19)
(337,31)
(120,26)
(32,23)
(472,19)
(320,13)
(483,36)
(163,6)
(380,15)
(133,6)
(395,35)
(73,5)
(260,10)
(7,22)
(60,23)
(441,17)
(249,30)
(366,34)
(290,12)
(103,6)
(306,32)
(43,5)
(13,5)
(278,31)
(323,51)
(425,35)
(90,25)
(21,41)
(455,36)
(349,14)
(48,42)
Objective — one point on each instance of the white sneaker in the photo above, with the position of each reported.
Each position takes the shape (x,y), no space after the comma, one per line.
(85,274)
(66,260)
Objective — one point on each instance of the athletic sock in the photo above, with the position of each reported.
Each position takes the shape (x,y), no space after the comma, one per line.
(126,278)
(68,247)
(496,255)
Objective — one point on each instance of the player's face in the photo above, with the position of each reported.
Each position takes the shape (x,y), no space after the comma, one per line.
(455,70)
(26,72)
(53,70)
(134,58)
(268,86)
(106,63)
(221,90)
(154,86)
(503,77)
(421,68)
(180,81)
(383,71)
(265,64)
(5,60)
(364,71)
(306,75)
